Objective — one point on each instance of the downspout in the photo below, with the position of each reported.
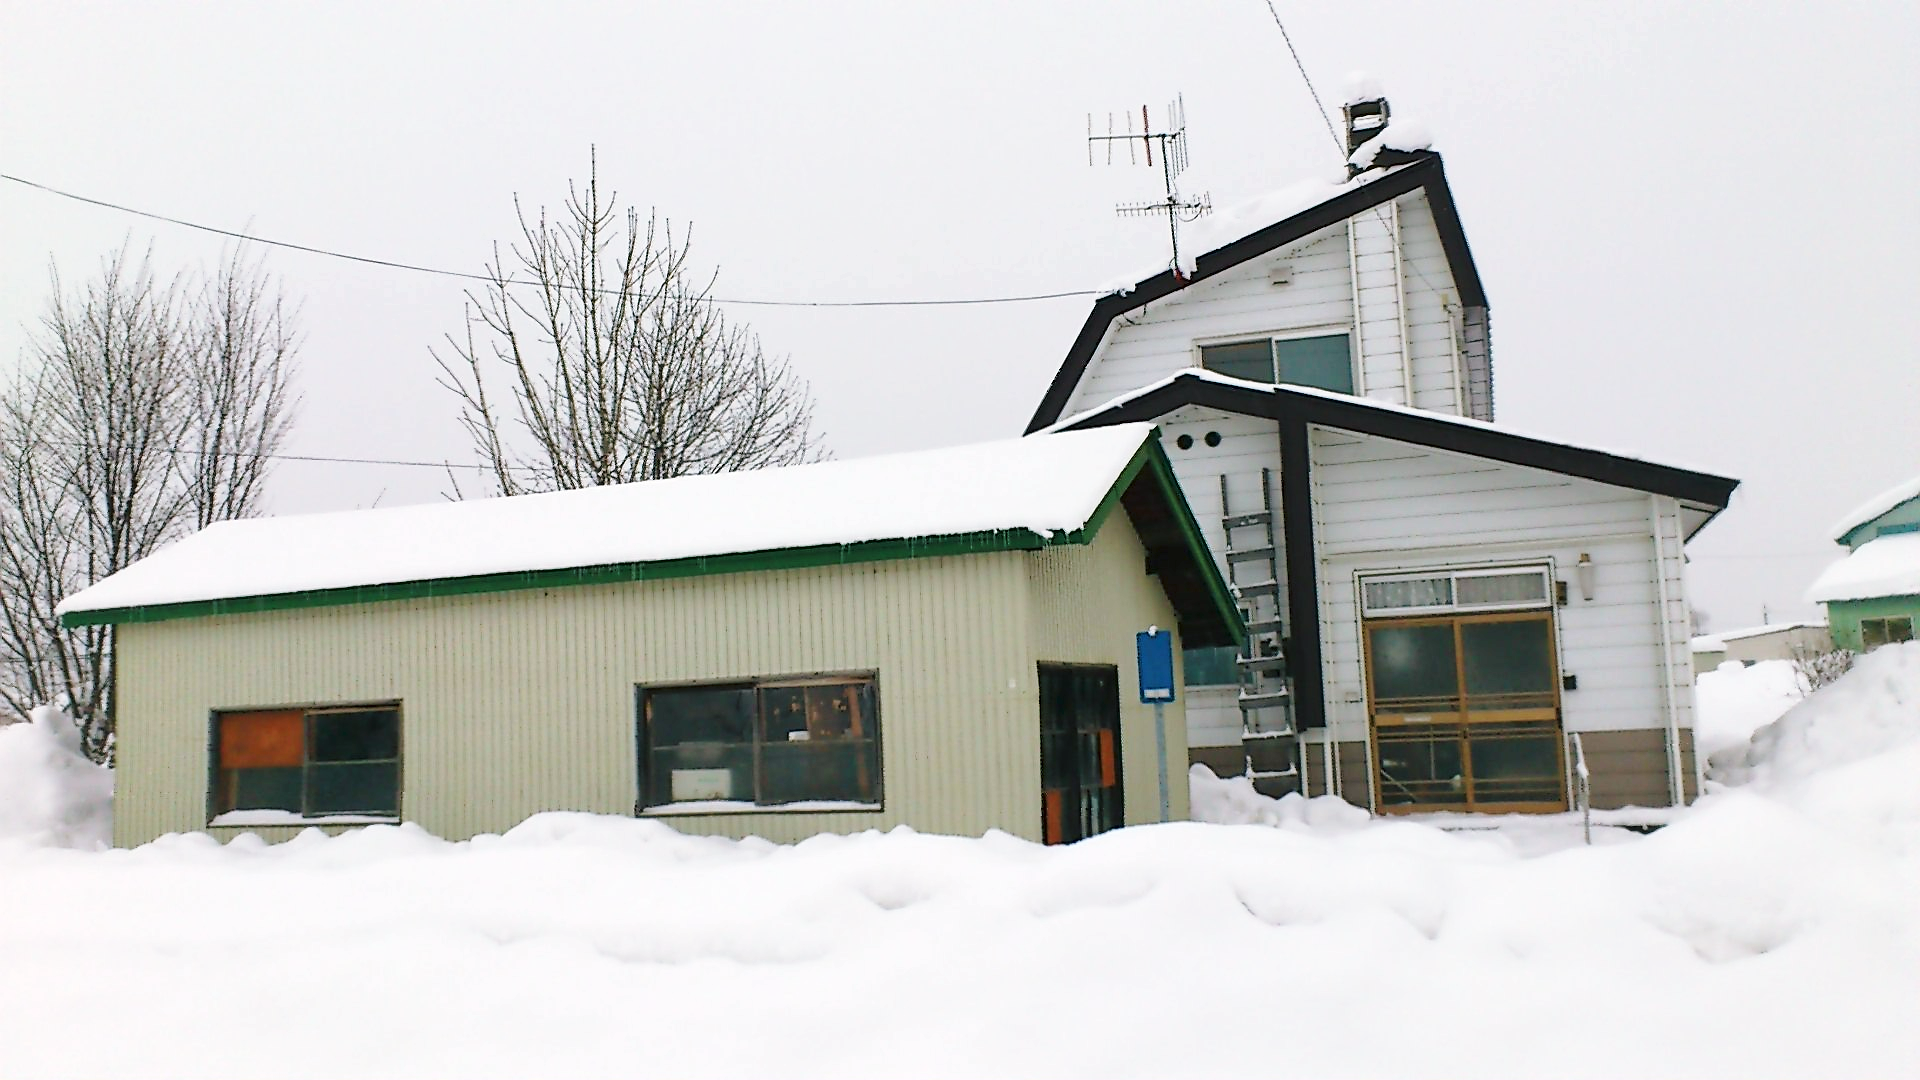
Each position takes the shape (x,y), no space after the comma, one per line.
(1359,343)
(1676,792)
(1400,302)
(1456,329)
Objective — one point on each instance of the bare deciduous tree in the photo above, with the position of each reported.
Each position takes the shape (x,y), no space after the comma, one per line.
(606,361)
(142,411)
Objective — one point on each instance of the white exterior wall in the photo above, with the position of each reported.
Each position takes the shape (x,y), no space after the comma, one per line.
(1381,277)
(1247,445)
(1384,506)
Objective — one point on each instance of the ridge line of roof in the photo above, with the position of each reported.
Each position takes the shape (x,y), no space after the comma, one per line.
(1427,173)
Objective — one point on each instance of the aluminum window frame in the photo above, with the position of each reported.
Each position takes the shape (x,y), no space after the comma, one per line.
(1274,337)
(1453,577)
(308,711)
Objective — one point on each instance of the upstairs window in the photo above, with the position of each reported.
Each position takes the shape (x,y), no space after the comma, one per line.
(306,763)
(770,743)
(1324,361)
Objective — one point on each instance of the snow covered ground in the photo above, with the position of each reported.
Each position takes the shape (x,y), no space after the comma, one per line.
(1771,930)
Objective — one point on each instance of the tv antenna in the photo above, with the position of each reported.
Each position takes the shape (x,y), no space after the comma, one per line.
(1172,142)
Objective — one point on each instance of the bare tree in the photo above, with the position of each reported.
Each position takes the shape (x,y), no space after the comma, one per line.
(1815,667)
(142,411)
(606,360)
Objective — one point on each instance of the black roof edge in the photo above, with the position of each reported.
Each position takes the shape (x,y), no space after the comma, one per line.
(1438,432)
(1427,172)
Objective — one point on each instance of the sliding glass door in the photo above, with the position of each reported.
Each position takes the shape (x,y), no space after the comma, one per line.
(1465,712)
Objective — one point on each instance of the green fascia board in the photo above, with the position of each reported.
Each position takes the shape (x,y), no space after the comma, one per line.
(1149,457)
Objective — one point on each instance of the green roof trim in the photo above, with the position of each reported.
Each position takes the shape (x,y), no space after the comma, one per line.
(1150,458)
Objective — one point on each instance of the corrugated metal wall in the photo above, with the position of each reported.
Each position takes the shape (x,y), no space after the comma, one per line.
(1087,604)
(520,702)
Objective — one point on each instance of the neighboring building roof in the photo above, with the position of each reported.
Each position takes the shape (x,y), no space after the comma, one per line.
(1706,643)
(1333,204)
(1012,494)
(1459,434)
(1883,566)
(1770,628)
(1874,507)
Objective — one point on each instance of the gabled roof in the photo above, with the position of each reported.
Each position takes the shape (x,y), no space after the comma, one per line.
(1012,494)
(1864,514)
(1882,567)
(1476,438)
(1363,193)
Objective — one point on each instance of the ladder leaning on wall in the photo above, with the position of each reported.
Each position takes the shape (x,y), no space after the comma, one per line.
(1266,708)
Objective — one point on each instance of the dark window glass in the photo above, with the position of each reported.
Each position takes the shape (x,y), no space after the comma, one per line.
(1509,665)
(1421,764)
(1325,362)
(1413,667)
(1251,360)
(353,789)
(1515,762)
(265,789)
(369,735)
(1210,666)
(766,744)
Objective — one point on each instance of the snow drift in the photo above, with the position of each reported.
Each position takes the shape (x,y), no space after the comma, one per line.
(1770,931)
(49,792)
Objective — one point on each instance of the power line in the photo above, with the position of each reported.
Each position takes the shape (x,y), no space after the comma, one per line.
(391,264)
(1325,117)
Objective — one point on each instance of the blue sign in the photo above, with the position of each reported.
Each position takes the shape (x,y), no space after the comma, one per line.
(1155,649)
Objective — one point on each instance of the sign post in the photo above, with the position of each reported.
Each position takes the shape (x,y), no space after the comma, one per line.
(1154,649)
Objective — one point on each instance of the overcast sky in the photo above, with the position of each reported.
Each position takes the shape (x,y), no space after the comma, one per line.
(1693,220)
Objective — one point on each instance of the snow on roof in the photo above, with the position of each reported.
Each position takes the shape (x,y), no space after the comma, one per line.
(1883,566)
(1874,507)
(1335,395)
(1248,216)
(1047,483)
(1769,628)
(1707,643)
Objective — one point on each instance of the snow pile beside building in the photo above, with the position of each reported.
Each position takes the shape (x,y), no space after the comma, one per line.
(1735,700)
(1233,801)
(1862,725)
(50,794)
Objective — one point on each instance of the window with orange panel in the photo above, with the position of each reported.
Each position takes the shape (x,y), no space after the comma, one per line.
(309,761)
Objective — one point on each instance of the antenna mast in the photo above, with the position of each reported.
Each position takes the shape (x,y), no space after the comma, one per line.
(1172,141)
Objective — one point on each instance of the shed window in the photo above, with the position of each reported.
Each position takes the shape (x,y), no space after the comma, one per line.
(311,762)
(1877,632)
(767,743)
(1324,361)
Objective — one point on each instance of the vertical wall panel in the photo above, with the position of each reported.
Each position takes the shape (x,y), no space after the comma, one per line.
(524,701)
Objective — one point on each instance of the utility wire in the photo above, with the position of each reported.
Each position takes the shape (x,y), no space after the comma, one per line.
(509,281)
(1325,117)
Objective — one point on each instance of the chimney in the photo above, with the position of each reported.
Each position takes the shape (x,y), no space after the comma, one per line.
(1365,118)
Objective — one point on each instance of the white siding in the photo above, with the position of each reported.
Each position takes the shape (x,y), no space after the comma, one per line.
(1158,340)
(1382,276)
(1384,505)
(1247,445)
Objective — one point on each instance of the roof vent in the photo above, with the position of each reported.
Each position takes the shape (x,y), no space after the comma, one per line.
(1365,119)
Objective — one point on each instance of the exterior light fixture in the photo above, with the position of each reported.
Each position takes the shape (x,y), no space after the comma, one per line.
(1583,574)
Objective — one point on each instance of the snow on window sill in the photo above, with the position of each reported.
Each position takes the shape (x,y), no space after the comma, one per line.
(258,818)
(736,806)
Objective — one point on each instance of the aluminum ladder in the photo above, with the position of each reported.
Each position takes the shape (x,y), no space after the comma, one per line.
(1266,707)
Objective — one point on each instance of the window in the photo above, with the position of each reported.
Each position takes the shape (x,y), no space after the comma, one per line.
(1456,590)
(1325,361)
(1211,666)
(1079,752)
(775,742)
(309,762)
(1877,632)
(1465,712)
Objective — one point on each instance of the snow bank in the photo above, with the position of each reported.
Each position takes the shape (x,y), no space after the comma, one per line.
(1734,701)
(1770,931)
(1871,712)
(50,794)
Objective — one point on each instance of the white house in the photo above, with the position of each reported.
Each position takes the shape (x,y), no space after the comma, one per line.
(1447,614)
